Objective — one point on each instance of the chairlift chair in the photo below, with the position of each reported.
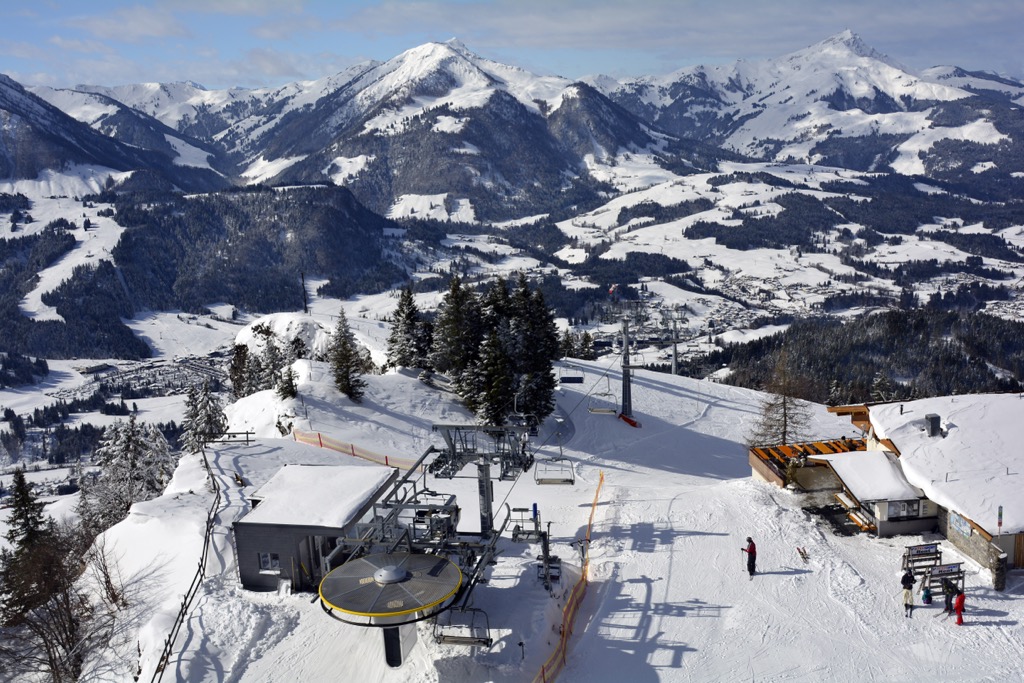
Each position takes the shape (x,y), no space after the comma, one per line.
(466,626)
(554,471)
(570,374)
(603,402)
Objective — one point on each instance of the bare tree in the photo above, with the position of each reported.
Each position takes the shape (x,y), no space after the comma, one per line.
(53,634)
(784,419)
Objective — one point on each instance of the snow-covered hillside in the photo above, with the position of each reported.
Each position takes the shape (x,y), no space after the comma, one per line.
(665,602)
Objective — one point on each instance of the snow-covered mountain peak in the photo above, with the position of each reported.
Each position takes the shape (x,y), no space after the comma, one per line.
(847,43)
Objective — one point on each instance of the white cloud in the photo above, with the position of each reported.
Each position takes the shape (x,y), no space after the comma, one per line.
(132,24)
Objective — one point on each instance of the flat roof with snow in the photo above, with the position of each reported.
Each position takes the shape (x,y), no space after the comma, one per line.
(330,496)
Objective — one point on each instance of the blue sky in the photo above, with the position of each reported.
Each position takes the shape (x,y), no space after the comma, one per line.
(254,43)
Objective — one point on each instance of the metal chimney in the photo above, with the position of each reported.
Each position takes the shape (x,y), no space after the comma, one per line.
(932,422)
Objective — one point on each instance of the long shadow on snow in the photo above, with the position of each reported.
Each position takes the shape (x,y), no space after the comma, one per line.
(645,537)
(660,445)
(635,647)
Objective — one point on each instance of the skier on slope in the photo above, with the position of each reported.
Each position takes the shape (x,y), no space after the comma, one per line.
(751,551)
(959,607)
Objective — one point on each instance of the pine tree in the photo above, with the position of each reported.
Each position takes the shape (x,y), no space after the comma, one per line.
(346,361)
(29,531)
(537,345)
(255,374)
(836,396)
(494,380)
(237,371)
(567,347)
(272,363)
(403,347)
(286,387)
(587,350)
(27,523)
(204,418)
(457,331)
(137,464)
(881,388)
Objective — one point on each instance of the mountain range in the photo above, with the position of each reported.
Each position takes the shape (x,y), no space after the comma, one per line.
(439,119)
(829,179)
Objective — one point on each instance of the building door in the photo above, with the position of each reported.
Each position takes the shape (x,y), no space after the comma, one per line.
(1018,551)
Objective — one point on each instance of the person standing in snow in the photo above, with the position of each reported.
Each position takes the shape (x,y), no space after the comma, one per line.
(948,591)
(751,551)
(907,581)
(959,607)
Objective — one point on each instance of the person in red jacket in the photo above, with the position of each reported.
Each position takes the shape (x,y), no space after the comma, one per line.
(751,551)
(958,607)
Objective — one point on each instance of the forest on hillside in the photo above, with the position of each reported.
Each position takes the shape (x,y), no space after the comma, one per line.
(888,356)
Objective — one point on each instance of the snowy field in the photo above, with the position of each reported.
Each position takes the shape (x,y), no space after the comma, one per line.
(665,603)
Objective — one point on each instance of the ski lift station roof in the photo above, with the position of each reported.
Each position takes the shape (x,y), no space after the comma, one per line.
(329,496)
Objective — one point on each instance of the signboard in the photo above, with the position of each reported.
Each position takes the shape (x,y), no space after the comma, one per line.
(1000,519)
(928,549)
(959,524)
(941,570)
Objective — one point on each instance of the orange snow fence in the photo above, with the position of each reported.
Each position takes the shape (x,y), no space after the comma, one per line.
(556,662)
(324,441)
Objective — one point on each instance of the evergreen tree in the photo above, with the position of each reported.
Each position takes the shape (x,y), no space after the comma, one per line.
(204,418)
(536,347)
(27,524)
(586,347)
(272,362)
(567,346)
(137,464)
(346,361)
(403,347)
(457,331)
(494,380)
(255,374)
(30,530)
(836,395)
(881,388)
(237,371)
(286,387)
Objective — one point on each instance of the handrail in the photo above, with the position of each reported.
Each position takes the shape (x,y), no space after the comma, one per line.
(197,580)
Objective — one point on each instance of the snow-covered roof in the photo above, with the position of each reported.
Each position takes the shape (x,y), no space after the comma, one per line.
(317,495)
(975,466)
(871,475)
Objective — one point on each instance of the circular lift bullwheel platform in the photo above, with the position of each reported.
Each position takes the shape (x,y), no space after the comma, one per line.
(388,590)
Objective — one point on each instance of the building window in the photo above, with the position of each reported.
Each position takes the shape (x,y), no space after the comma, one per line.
(270,562)
(904,508)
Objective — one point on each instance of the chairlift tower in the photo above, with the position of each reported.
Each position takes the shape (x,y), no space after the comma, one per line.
(463,447)
(627,383)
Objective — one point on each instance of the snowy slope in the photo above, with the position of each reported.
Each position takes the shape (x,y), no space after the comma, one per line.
(665,602)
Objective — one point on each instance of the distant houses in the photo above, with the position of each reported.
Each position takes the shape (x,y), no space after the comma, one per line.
(951,464)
